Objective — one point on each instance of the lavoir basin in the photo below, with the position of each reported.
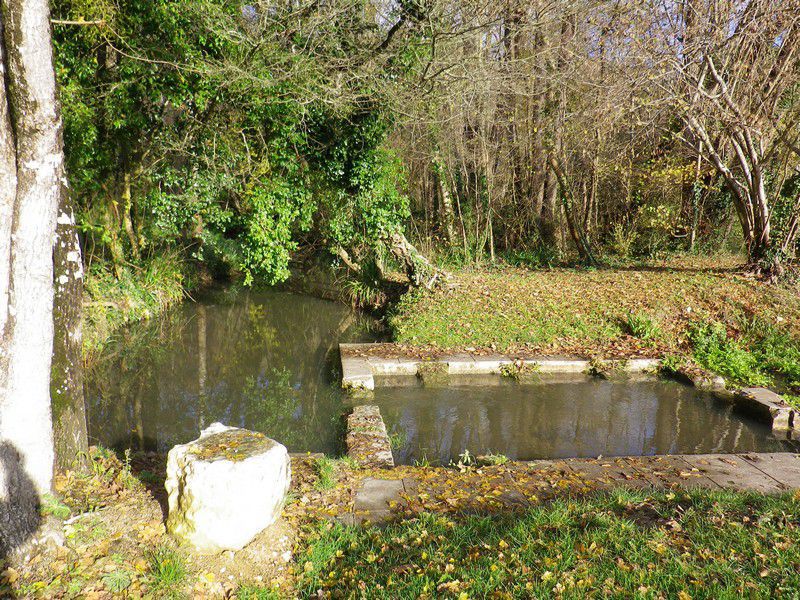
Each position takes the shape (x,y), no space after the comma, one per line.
(563,416)
(269,361)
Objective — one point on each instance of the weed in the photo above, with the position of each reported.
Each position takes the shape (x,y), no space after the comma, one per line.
(167,570)
(642,326)
(520,370)
(398,439)
(423,461)
(465,460)
(117,580)
(51,505)
(714,350)
(492,459)
(86,530)
(325,469)
(126,476)
(672,363)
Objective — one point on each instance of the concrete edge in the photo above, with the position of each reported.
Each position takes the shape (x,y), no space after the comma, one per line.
(767,405)
(367,439)
(359,371)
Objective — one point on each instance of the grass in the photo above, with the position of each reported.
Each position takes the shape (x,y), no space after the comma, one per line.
(167,571)
(626,544)
(712,315)
(139,293)
(325,468)
(250,592)
(642,326)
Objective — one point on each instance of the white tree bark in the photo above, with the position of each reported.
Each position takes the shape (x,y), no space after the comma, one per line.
(31,178)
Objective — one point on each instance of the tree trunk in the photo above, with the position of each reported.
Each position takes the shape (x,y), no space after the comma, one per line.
(31,179)
(419,269)
(66,374)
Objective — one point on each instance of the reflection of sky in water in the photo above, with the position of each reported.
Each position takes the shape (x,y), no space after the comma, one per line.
(562,419)
(265,362)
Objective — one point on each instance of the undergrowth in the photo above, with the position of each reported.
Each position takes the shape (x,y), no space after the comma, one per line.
(138,293)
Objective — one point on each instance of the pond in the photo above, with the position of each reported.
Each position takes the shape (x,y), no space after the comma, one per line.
(565,416)
(263,360)
(269,361)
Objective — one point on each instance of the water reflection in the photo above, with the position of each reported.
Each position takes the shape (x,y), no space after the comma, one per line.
(262,360)
(565,419)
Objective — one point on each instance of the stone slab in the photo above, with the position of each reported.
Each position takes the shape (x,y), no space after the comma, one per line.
(767,405)
(373,499)
(357,374)
(670,471)
(607,473)
(782,466)
(367,440)
(733,472)
(393,366)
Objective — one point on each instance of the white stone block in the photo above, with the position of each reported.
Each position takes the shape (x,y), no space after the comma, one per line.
(225,487)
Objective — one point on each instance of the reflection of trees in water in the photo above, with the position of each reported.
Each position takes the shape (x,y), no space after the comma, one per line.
(560,420)
(263,362)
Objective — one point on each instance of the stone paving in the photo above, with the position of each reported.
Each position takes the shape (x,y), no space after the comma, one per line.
(405,491)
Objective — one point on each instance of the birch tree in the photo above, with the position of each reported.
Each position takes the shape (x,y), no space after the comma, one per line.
(31,179)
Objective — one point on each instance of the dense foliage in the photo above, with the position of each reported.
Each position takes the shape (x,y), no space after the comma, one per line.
(201,126)
(241,134)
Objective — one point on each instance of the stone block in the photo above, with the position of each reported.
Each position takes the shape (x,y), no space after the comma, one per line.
(768,405)
(367,441)
(225,487)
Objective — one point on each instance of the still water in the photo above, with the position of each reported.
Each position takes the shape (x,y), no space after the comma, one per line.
(267,361)
(565,417)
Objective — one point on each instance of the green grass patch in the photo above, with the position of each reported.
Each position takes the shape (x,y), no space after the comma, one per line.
(642,326)
(325,468)
(714,350)
(167,571)
(627,544)
(249,592)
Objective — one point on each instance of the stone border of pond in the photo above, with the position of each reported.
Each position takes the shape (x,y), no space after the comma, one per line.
(367,440)
(360,366)
(380,499)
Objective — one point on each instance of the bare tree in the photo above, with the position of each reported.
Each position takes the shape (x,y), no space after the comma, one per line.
(733,72)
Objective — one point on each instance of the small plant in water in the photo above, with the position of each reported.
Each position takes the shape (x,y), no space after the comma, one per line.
(398,439)
(422,462)
(465,460)
(520,370)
